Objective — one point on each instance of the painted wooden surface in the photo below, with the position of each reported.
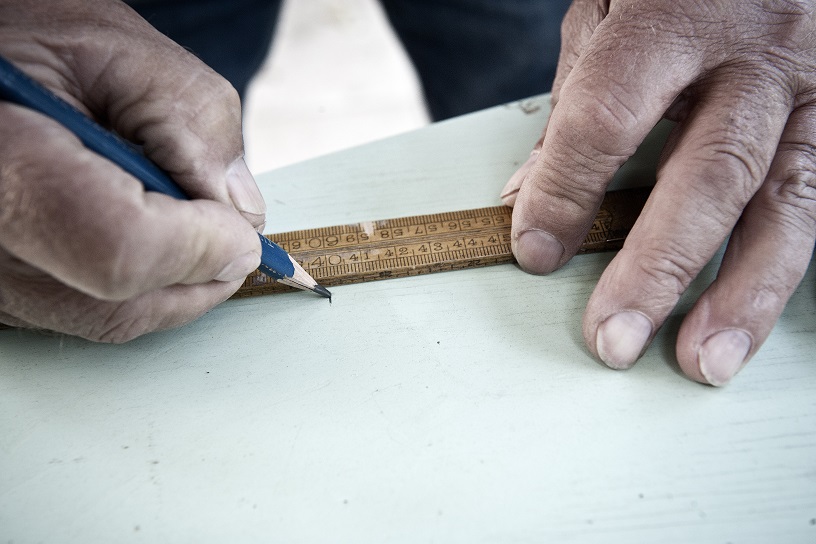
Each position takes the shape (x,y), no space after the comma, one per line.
(457,407)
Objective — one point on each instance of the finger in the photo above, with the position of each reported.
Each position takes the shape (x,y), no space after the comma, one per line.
(153,93)
(767,256)
(83,220)
(191,127)
(720,158)
(579,24)
(607,106)
(8,320)
(577,29)
(30,297)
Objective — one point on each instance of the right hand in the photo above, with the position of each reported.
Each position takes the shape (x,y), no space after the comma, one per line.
(84,250)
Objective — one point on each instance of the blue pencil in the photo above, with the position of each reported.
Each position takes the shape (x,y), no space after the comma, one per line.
(20,89)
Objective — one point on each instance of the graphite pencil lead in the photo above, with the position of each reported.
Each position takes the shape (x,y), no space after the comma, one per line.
(302,280)
(320,290)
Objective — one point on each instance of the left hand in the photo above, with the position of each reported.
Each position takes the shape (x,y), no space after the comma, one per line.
(739,76)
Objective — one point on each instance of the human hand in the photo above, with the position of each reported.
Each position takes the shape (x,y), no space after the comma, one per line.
(739,76)
(84,250)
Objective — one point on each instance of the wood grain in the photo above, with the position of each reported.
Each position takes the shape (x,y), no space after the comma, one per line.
(425,244)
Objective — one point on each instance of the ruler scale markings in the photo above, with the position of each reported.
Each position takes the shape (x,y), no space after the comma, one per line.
(410,246)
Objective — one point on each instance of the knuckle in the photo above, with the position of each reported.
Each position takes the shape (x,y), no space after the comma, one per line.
(590,141)
(224,92)
(735,162)
(208,114)
(214,100)
(740,167)
(668,267)
(799,187)
(797,195)
(570,161)
(608,115)
(715,207)
(789,196)
(564,200)
(736,155)
(560,182)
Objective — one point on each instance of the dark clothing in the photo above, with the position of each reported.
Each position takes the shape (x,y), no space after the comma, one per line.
(469,54)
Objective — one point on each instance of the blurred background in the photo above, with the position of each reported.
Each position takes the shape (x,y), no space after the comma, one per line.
(336,77)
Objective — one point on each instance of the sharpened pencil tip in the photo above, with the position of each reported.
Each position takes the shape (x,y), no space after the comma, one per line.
(322,291)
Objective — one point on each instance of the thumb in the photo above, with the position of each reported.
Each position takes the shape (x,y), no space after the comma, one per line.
(579,24)
(608,107)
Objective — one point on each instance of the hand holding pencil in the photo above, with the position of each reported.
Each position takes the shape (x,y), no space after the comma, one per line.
(84,249)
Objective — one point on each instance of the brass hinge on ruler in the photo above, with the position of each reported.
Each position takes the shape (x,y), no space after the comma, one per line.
(411,246)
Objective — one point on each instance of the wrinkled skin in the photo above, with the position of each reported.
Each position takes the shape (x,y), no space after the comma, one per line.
(84,249)
(739,76)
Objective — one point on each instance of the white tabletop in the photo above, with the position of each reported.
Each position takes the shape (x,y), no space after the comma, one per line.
(455,407)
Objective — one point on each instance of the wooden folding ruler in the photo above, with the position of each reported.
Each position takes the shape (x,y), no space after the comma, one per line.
(410,246)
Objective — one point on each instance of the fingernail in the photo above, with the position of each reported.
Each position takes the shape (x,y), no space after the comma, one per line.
(537,251)
(244,192)
(621,339)
(240,268)
(723,354)
(509,198)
